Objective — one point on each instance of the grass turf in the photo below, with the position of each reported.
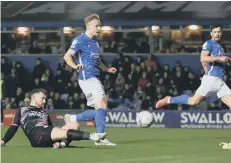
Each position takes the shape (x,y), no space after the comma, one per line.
(134,145)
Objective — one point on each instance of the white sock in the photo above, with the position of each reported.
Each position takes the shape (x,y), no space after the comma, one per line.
(73,118)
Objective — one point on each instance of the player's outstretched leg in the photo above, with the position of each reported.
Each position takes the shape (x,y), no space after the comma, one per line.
(66,142)
(61,134)
(74,118)
(84,116)
(98,115)
(183,99)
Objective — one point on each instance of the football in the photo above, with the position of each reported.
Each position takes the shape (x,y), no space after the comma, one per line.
(144,119)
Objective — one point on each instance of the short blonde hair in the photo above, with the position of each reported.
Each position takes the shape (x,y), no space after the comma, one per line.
(91,17)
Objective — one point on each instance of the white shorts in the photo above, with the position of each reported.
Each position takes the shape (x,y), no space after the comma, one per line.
(93,90)
(211,85)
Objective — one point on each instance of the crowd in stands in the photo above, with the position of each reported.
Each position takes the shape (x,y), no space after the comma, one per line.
(50,43)
(138,84)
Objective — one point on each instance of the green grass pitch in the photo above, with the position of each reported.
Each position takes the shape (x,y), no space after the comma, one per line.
(134,145)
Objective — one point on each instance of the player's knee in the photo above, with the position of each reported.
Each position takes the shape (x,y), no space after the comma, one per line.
(229,104)
(58,134)
(101,103)
(72,125)
(77,126)
(227,100)
(193,101)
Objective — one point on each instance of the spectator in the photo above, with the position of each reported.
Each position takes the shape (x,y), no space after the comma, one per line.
(13,65)
(161,88)
(143,66)
(21,73)
(39,69)
(127,93)
(59,83)
(139,94)
(138,60)
(149,62)
(180,78)
(150,73)
(5,66)
(144,47)
(167,68)
(76,87)
(192,83)
(136,74)
(70,103)
(118,62)
(50,76)
(27,95)
(132,68)
(66,74)
(13,103)
(82,106)
(107,82)
(130,81)
(126,65)
(49,105)
(150,91)
(57,102)
(186,71)
(112,93)
(147,104)
(19,95)
(166,78)
(45,82)
(144,80)
(37,83)
(34,49)
(8,106)
(82,100)
(10,83)
(51,95)
(121,70)
(155,79)
(69,89)
(119,83)
(26,102)
(76,101)
(5,49)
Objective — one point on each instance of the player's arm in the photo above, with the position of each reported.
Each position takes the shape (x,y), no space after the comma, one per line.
(13,128)
(68,56)
(206,58)
(103,67)
(205,55)
(205,66)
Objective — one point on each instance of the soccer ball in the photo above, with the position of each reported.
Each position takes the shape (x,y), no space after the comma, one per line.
(144,119)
